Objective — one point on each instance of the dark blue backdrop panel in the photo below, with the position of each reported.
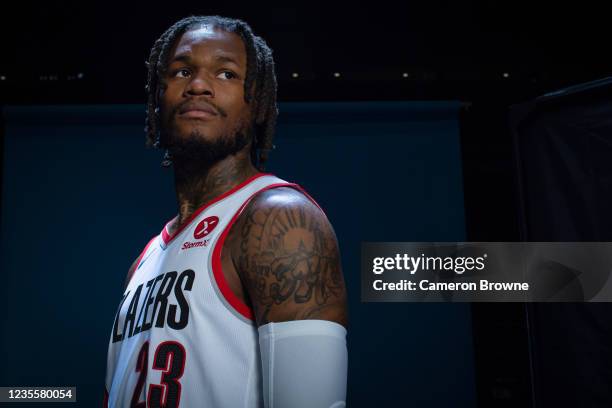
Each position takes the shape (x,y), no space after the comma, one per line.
(81,197)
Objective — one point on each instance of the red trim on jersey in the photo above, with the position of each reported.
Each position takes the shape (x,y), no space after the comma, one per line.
(218,274)
(105,401)
(166,237)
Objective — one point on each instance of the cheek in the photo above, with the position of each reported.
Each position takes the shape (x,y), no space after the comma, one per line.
(164,114)
(233,100)
(242,111)
(168,99)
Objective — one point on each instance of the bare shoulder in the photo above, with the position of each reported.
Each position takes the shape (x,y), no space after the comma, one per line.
(288,259)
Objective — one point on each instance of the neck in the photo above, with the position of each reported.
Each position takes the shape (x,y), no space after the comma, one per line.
(196,184)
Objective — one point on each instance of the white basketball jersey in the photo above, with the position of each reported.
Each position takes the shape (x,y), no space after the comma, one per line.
(181,338)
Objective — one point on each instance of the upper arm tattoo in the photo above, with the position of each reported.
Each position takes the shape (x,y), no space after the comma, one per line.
(289,263)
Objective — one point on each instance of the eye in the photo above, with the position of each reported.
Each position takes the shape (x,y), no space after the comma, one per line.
(227,75)
(182,73)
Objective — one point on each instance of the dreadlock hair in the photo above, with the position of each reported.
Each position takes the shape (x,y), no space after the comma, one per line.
(260,73)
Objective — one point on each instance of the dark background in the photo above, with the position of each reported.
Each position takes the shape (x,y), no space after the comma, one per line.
(77,210)
(487,55)
(450,49)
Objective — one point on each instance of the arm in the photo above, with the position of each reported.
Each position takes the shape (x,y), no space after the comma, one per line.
(288,260)
(289,265)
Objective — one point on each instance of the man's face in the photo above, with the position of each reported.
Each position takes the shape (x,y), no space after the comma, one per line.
(203,102)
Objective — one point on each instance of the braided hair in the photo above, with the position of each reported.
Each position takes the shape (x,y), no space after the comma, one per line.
(260,72)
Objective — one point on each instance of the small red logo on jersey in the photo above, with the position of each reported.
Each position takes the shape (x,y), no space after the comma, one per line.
(205,227)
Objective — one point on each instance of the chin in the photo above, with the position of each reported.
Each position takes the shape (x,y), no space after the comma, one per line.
(201,132)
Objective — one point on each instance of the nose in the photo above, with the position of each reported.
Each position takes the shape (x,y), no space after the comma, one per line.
(200,84)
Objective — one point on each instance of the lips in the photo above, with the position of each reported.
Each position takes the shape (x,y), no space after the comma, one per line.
(198,110)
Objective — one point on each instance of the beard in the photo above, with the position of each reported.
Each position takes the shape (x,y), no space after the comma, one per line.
(196,152)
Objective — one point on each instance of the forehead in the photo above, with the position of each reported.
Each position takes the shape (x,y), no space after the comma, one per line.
(207,41)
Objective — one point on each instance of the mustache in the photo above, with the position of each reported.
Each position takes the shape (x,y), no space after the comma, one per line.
(180,106)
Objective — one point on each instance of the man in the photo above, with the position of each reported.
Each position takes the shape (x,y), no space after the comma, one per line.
(240,301)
